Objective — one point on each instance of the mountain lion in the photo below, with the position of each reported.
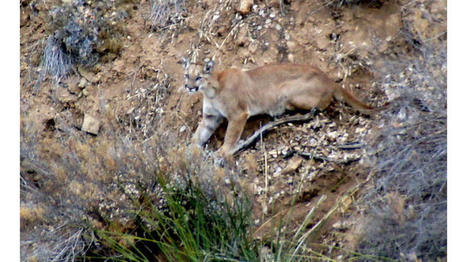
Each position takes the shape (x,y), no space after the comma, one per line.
(271,89)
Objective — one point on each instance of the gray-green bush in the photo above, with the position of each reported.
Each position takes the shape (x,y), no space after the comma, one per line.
(80,33)
(407,209)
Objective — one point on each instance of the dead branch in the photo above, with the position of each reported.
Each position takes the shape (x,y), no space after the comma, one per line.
(268,126)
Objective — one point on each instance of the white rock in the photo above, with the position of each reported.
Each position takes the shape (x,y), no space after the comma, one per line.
(83,83)
(245,6)
(90,124)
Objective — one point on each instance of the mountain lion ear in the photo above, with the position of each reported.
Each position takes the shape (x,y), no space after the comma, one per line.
(208,66)
(185,62)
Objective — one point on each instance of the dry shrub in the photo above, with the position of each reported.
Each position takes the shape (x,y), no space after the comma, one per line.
(407,208)
(73,183)
(80,34)
(166,12)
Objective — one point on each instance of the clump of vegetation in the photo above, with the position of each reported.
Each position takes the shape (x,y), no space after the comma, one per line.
(81,32)
(127,198)
(57,61)
(166,12)
(72,183)
(146,103)
(189,226)
(121,198)
(194,225)
(407,209)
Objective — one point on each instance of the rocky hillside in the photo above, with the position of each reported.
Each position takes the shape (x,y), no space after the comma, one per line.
(103,109)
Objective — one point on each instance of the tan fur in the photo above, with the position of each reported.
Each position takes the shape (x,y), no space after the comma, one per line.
(236,95)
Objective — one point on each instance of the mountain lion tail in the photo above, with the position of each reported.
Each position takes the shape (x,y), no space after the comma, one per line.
(345,96)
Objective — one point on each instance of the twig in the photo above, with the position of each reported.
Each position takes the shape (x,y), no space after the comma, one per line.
(265,166)
(350,146)
(268,126)
(265,176)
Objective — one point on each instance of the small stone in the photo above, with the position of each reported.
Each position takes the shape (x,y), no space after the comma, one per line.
(338,225)
(90,124)
(130,110)
(88,75)
(291,45)
(273,153)
(64,96)
(245,6)
(292,165)
(83,83)
(332,135)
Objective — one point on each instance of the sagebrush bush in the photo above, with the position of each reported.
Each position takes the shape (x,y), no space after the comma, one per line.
(80,33)
(73,184)
(57,62)
(407,209)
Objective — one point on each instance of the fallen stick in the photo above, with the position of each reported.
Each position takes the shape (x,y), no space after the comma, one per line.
(250,139)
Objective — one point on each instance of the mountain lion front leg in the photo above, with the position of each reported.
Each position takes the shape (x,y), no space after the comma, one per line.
(234,131)
(206,127)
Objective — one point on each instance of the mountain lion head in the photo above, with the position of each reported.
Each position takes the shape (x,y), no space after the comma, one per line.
(197,76)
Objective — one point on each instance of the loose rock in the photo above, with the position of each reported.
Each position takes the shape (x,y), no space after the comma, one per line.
(83,83)
(64,96)
(294,164)
(90,124)
(245,6)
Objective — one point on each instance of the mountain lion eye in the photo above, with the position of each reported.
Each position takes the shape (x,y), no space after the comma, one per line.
(198,78)
(187,76)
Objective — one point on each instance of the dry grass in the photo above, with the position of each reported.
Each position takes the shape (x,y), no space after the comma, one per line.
(166,12)
(407,207)
(80,34)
